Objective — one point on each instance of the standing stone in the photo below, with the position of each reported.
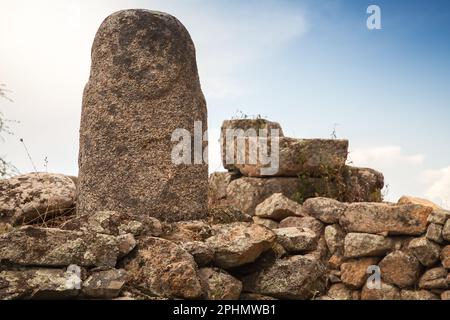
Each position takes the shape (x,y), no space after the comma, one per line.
(143,86)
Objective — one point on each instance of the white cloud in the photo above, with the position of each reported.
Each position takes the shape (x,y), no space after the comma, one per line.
(385,156)
(438,186)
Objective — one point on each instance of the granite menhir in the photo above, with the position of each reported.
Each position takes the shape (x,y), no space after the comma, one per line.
(143,85)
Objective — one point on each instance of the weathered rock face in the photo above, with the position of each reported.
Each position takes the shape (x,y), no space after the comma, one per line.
(218,183)
(427,252)
(295,277)
(201,252)
(114,223)
(385,292)
(219,285)
(245,193)
(382,217)
(313,157)
(334,237)
(143,86)
(278,207)
(296,240)
(35,197)
(239,243)
(366,245)
(417,295)
(38,284)
(245,126)
(400,269)
(354,272)
(164,269)
(303,222)
(324,209)
(435,278)
(445,257)
(32,246)
(104,284)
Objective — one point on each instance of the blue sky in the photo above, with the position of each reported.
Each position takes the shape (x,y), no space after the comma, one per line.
(307,64)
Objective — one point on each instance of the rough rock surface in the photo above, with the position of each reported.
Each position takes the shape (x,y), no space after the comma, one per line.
(218,183)
(366,245)
(314,157)
(278,207)
(35,197)
(382,217)
(33,246)
(354,273)
(446,231)
(232,145)
(201,252)
(400,269)
(326,210)
(219,285)
(426,251)
(105,284)
(417,295)
(143,86)
(435,278)
(334,237)
(303,222)
(38,284)
(269,223)
(296,240)
(164,269)
(445,257)
(239,243)
(385,292)
(295,277)
(115,223)
(434,233)
(356,185)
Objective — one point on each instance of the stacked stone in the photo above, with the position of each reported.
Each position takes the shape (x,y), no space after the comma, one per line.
(307,168)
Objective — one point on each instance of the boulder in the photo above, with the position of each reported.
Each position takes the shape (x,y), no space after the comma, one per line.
(269,223)
(163,269)
(142,107)
(426,251)
(417,295)
(115,223)
(186,231)
(303,222)
(234,138)
(433,279)
(366,245)
(311,157)
(104,284)
(339,291)
(446,231)
(418,201)
(400,269)
(385,292)
(239,243)
(296,240)
(278,207)
(35,198)
(445,295)
(354,273)
(219,285)
(201,252)
(439,216)
(385,218)
(445,257)
(33,246)
(326,210)
(218,183)
(434,233)
(294,277)
(226,214)
(39,284)
(334,237)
